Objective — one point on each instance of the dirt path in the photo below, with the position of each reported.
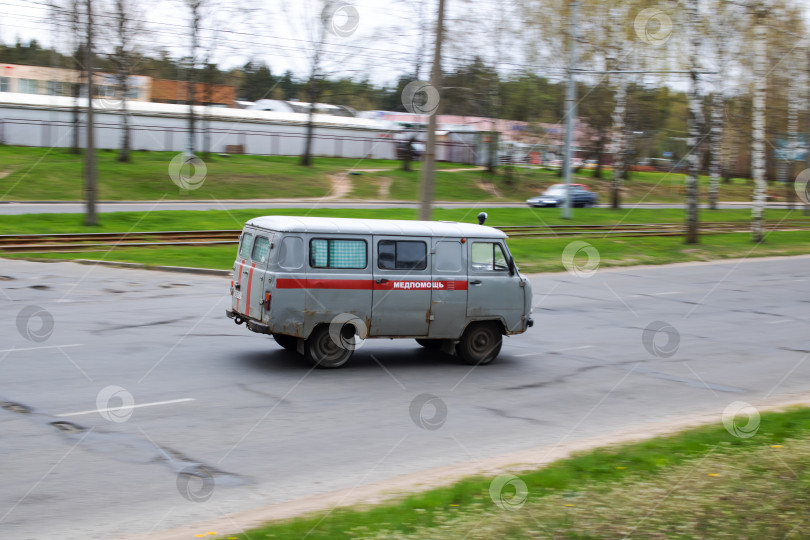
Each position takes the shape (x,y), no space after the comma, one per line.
(489,188)
(341,186)
(514,462)
(385,187)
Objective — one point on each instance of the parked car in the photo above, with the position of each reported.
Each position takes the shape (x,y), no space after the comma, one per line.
(555,196)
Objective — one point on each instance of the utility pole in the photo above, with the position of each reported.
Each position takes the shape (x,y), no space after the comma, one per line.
(695,128)
(570,107)
(195,6)
(90,154)
(758,145)
(428,169)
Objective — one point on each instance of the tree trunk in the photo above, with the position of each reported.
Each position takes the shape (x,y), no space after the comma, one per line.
(306,157)
(619,143)
(74,149)
(716,142)
(758,144)
(124,84)
(695,129)
(492,155)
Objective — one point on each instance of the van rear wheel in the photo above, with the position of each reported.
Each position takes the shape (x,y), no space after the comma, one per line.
(288,342)
(480,343)
(322,351)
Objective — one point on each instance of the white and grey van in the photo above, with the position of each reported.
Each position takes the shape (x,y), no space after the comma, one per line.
(321,285)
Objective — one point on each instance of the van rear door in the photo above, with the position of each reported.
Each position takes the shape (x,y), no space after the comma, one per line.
(402,286)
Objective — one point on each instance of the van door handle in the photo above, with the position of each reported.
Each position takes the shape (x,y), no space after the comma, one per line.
(475,282)
(381,281)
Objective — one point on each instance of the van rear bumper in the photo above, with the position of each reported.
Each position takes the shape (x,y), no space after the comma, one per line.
(253,326)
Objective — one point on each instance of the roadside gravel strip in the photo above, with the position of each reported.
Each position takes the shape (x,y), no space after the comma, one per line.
(514,462)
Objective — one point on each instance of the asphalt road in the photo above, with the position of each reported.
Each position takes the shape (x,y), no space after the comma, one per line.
(15,208)
(229,418)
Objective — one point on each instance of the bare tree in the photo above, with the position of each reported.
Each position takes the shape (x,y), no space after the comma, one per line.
(195,28)
(758,144)
(695,125)
(126,27)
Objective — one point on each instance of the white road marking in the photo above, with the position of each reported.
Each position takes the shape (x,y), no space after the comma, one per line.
(581,347)
(780,321)
(43,347)
(117,409)
(576,348)
(664,293)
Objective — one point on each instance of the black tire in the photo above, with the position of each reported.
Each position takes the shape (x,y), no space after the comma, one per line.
(430,343)
(480,343)
(323,352)
(288,342)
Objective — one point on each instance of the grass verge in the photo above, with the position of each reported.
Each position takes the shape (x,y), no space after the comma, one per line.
(700,483)
(532,254)
(30,173)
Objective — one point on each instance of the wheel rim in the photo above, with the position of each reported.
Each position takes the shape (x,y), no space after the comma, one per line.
(327,353)
(482,343)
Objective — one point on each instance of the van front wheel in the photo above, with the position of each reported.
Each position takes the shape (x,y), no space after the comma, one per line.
(323,352)
(480,343)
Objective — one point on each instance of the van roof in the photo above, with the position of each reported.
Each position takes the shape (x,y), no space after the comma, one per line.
(374,226)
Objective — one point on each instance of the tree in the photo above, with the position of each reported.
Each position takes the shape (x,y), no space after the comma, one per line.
(758,147)
(126,27)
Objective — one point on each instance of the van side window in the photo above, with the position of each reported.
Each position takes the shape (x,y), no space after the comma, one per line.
(488,256)
(401,255)
(335,253)
(261,248)
(247,245)
(291,253)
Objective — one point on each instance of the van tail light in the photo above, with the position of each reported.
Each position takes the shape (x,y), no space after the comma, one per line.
(231,287)
(267,298)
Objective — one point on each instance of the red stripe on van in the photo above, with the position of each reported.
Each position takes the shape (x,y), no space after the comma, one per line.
(367,284)
(421,285)
(283,283)
(250,282)
(240,282)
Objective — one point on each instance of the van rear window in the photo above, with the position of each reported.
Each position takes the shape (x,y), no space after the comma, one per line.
(335,253)
(247,245)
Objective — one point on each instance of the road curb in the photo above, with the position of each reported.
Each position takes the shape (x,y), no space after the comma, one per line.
(140,266)
(131,266)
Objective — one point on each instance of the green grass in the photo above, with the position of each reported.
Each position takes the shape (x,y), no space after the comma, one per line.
(167,220)
(700,483)
(532,254)
(54,174)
